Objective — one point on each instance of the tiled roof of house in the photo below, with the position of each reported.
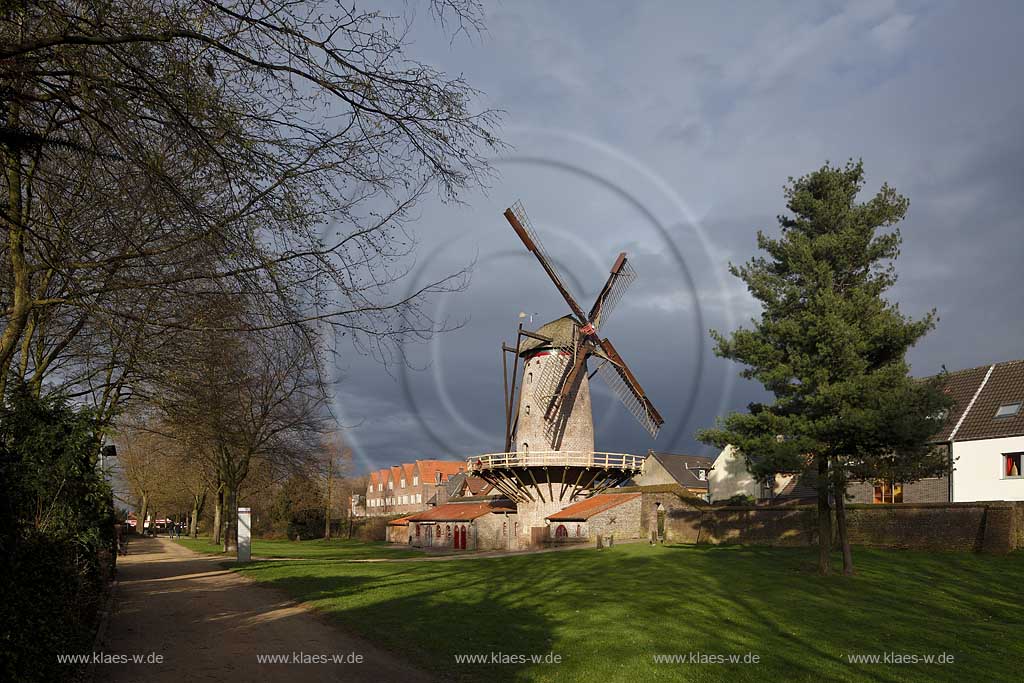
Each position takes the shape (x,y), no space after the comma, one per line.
(447,468)
(961,387)
(458,512)
(684,468)
(989,387)
(401,521)
(374,478)
(800,487)
(407,470)
(1005,387)
(587,508)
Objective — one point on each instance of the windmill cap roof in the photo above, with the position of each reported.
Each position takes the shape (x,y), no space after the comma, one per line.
(562,332)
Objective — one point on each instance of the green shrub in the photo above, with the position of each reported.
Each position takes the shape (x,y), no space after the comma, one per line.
(56,535)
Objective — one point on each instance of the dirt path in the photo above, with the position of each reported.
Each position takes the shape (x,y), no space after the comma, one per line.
(209,624)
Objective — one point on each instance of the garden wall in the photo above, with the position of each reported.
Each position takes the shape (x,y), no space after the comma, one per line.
(992,527)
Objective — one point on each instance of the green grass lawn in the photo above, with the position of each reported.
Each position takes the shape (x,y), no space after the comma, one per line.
(335,549)
(607,613)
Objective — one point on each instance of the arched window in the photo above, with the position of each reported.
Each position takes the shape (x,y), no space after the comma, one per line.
(526,447)
(561,531)
(448,530)
(527,408)
(529,378)
(578,529)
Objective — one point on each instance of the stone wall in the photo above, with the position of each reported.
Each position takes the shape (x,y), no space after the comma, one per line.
(622,521)
(994,527)
(494,532)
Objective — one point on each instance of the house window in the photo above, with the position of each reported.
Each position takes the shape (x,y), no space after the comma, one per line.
(1008,409)
(448,530)
(380,487)
(1012,464)
(526,447)
(403,482)
(888,492)
(527,408)
(529,378)
(391,485)
(437,477)
(415,480)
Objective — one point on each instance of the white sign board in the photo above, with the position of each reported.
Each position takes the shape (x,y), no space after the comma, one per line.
(244,534)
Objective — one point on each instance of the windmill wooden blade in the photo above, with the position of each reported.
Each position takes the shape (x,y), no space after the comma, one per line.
(520,222)
(621,381)
(621,277)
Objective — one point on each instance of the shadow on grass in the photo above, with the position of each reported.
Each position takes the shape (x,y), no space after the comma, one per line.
(608,613)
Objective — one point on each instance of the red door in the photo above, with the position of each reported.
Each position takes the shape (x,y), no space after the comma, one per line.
(463,538)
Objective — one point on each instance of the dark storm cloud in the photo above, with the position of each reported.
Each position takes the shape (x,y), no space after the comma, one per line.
(668,131)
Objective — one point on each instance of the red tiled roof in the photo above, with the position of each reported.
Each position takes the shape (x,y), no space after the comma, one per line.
(401,521)
(448,468)
(476,485)
(585,509)
(407,470)
(457,512)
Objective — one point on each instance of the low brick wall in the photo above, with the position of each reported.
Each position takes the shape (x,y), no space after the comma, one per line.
(991,527)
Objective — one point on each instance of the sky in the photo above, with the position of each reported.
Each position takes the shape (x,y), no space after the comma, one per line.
(668,130)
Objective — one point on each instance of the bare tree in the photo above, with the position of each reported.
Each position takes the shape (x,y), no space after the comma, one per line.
(335,463)
(155,152)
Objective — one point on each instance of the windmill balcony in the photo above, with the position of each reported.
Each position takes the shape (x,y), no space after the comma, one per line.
(587,459)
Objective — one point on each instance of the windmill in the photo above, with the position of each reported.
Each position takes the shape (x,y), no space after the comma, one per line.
(549,458)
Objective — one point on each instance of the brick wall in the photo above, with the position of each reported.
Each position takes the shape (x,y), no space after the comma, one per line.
(925,491)
(995,527)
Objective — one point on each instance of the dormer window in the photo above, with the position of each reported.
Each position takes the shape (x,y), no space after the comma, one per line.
(1008,409)
(403,482)
(415,480)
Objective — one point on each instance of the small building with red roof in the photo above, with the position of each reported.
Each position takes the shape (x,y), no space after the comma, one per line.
(608,514)
(470,525)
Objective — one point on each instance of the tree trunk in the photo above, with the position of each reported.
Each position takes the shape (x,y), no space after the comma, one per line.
(142,514)
(199,502)
(218,516)
(230,518)
(844,539)
(327,510)
(824,517)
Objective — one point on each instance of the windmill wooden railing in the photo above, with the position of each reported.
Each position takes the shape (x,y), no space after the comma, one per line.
(618,461)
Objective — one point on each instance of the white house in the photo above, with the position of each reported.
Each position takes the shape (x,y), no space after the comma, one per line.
(983,434)
(986,436)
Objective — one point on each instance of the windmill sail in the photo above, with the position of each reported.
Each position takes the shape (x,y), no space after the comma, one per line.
(617,381)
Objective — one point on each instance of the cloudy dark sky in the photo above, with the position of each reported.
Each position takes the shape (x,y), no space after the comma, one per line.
(668,130)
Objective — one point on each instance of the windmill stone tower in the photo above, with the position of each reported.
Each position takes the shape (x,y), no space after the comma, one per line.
(549,458)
